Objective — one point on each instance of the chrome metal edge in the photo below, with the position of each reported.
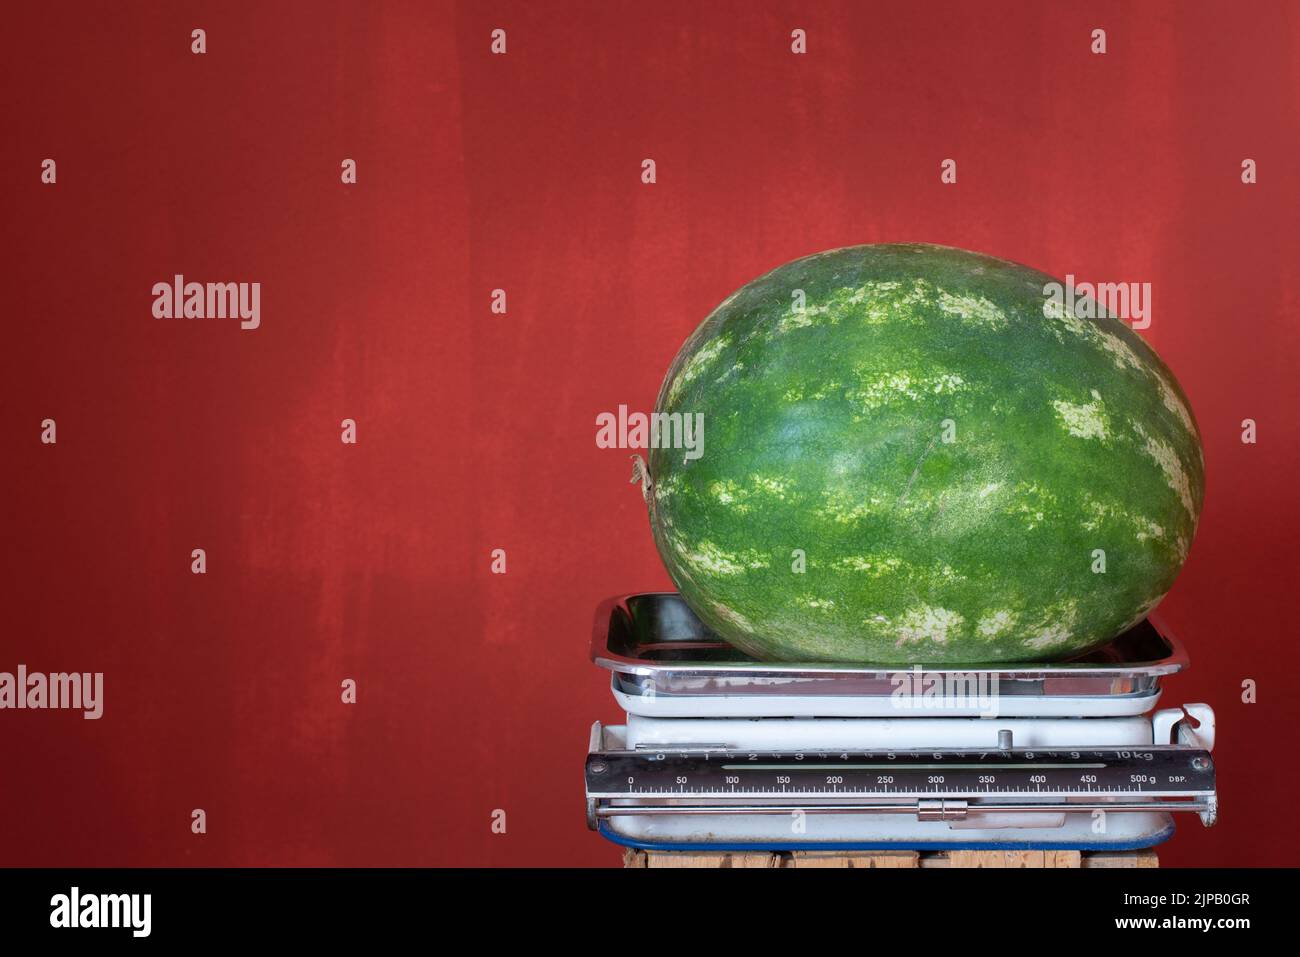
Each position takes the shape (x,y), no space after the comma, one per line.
(1140,675)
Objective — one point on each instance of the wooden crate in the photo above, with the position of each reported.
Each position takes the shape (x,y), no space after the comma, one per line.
(905,859)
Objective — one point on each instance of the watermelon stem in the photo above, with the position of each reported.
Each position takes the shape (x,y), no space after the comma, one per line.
(641,473)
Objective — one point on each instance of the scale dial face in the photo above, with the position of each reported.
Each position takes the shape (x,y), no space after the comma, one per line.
(1150,772)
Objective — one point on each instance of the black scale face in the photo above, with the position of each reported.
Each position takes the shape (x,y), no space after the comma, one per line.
(1151,771)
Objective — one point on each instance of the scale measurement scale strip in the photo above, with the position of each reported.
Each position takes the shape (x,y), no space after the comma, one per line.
(1155,772)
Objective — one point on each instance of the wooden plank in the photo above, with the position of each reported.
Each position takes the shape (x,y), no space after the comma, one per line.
(1003,859)
(890,859)
(1145,858)
(874,859)
(718,859)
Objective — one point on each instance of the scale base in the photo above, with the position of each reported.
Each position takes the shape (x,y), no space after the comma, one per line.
(869,832)
(708,757)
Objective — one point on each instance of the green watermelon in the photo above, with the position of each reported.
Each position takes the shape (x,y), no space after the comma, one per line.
(911,454)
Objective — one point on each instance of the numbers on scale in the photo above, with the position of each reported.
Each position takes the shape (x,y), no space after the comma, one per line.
(899,771)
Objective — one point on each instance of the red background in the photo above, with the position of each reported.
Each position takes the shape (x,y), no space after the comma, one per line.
(476,431)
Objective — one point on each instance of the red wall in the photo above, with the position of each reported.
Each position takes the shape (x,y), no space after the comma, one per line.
(476,431)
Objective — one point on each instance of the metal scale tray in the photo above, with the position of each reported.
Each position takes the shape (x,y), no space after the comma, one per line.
(666,663)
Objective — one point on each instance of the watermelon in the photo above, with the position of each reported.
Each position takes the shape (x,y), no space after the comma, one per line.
(913,453)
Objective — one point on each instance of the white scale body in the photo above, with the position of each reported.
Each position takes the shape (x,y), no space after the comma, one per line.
(720,753)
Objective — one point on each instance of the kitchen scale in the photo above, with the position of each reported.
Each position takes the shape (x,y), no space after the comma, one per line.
(721,752)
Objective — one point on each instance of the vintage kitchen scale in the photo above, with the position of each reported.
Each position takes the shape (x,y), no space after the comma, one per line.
(721,752)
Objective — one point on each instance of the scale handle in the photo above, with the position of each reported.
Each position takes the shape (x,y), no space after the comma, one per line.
(1191,725)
